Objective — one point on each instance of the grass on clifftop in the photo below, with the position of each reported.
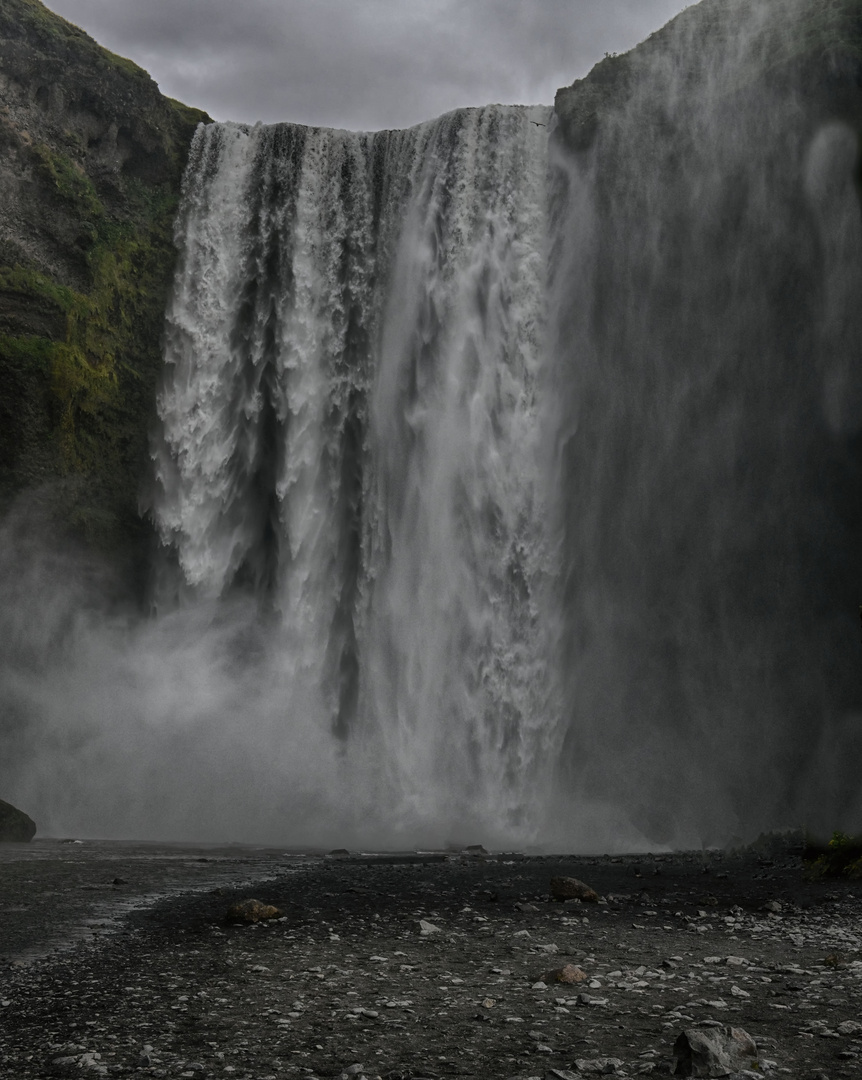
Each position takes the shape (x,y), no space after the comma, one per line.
(32,20)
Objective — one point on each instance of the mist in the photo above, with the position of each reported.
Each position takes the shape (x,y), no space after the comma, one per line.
(709,446)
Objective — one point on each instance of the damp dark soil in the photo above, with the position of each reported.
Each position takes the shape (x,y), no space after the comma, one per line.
(410,966)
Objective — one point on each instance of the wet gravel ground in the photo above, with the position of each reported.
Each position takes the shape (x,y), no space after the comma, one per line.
(54,893)
(348,976)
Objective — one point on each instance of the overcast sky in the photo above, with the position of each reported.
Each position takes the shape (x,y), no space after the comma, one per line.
(363,64)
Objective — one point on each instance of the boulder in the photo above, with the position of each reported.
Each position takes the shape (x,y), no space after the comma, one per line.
(713,1052)
(251,911)
(15,825)
(569,888)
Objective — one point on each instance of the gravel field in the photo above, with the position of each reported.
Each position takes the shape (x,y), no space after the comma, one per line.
(118,959)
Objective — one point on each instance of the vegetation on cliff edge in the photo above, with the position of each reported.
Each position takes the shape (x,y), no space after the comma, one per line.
(97,159)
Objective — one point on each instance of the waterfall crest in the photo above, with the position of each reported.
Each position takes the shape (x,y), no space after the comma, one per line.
(351,422)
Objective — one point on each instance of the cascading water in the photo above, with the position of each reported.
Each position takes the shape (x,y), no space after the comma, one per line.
(351,431)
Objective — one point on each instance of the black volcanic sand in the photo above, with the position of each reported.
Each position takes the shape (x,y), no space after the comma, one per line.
(347,977)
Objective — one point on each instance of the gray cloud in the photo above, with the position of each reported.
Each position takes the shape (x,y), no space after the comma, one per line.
(363,64)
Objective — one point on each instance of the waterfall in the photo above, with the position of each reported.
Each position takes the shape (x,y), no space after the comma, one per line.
(507,478)
(351,433)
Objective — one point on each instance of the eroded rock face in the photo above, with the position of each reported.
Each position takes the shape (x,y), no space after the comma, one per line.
(15,825)
(67,107)
(91,159)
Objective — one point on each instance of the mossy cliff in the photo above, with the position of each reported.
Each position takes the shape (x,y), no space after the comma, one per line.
(91,160)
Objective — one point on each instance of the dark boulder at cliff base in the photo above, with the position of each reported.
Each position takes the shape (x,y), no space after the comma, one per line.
(15,825)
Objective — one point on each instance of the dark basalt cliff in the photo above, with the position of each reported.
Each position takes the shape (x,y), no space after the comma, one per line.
(91,159)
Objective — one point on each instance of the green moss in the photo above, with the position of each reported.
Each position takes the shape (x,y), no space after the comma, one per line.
(33,15)
(69,181)
(54,32)
(26,282)
(126,66)
(77,382)
(111,330)
(28,352)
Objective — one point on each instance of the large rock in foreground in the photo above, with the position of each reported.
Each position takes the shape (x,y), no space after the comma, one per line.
(716,1052)
(15,825)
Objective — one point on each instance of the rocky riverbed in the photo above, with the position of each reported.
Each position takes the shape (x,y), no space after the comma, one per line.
(410,966)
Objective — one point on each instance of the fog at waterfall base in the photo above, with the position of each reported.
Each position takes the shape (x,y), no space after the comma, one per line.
(505,494)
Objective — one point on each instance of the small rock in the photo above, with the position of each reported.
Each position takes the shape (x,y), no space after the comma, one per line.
(568,975)
(569,888)
(601,1065)
(426,928)
(588,999)
(849,1027)
(251,911)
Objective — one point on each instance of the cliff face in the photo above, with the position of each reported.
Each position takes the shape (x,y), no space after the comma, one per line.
(730,48)
(91,159)
(711,472)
